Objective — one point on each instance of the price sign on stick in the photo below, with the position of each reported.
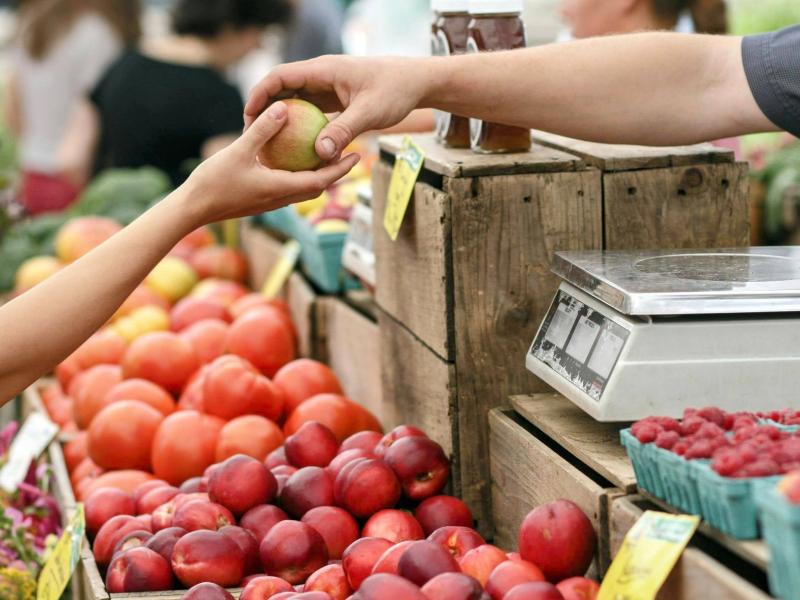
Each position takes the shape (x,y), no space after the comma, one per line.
(59,567)
(648,554)
(282,269)
(406,170)
(31,440)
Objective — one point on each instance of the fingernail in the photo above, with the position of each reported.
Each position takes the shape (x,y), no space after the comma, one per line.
(328,146)
(277,111)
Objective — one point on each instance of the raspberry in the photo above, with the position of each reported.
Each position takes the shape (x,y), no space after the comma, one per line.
(762,467)
(727,462)
(743,421)
(647,432)
(691,425)
(710,431)
(680,448)
(744,433)
(713,414)
(667,439)
(668,424)
(700,449)
(688,413)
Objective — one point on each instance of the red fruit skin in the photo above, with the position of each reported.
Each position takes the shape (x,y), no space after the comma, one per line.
(360,557)
(344,458)
(454,586)
(421,466)
(164,515)
(110,533)
(442,511)
(105,503)
(139,570)
(132,540)
(247,544)
(232,388)
(579,588)
(400,432)
(241,483)
(457,540)
(308,488)
(293,550)
(558,538)
(424,560)
(336,526)
(313,445)
(383,586)
(207,591)
(260,519)
(200,514)
(207,556)
(263,337)
(537,590)
(193,485)
(509,574)
(331,580)
(146,521)
(155,498)
(364,487)
(147,486)
(363,440)
(389,560)
(164,541)
(265,586)
(393,525)
(481,561)
(276,458)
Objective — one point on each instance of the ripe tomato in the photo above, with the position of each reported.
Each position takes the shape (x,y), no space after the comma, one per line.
(76,450)
(219,261)
(86,469)
(232,387)
(162,357)
(185,445)
(207,337)
(264,337)
(103,348)
(90,391)
(338,413)
(304,378)
(143,391)
(121,435)
(255,300)
(127,481)
(192,310)
(67,369)
(251,435)
(192,395)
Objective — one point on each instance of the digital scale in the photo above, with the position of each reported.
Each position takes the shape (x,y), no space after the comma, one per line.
(636,333)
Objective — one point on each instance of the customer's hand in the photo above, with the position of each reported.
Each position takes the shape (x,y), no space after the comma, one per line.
(373,93)
(233,183)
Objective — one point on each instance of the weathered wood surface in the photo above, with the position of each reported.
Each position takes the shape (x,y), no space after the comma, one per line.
(698,206)
(620,157)
(593,443)
(303,300)
(262,250)
(414,273)
(697,575)
(451,162)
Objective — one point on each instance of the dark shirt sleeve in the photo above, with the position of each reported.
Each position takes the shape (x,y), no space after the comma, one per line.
(772,66)
(224,115)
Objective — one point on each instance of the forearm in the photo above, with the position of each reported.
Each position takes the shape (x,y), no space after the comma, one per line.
(47,323)
(652,89)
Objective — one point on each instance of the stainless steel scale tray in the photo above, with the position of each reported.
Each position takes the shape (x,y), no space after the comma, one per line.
(688,282)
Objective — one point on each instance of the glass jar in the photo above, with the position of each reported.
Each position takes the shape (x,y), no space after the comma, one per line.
(449,38)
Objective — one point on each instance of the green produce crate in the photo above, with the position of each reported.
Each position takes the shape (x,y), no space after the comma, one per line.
(645,464)
(780,521)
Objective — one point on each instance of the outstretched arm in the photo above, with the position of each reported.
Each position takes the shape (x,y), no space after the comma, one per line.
(46,324)
(649,88)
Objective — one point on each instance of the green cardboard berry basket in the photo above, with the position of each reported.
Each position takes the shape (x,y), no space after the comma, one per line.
(780,521)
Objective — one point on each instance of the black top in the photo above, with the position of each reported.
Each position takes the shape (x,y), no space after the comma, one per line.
(160,114)
(772,65)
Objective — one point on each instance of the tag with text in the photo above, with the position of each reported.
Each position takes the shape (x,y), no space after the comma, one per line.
(407,167)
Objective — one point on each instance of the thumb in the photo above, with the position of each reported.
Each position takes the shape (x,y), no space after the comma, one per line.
(338,134)
(264,127)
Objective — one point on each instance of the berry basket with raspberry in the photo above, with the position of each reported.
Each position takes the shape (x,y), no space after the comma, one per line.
(780,523)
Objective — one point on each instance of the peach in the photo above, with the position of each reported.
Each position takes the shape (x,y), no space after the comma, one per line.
(155,498)
(293,147)
(265,586)
(578,588)
(481,561)
(442,511)
(164,541)
(399,432)
(293,550)
(193,310)
(139,570)
(110,533)
(146,521)
(207,337)
(510,574)
(241,483)
(276,458)
(248,545)
(360,558)
(336,526)
(363,440)
(393,525)
(147,486)
(559,538)
(457,540)
(308,488)
(536,590)
(207,591)
(363,487)
(389,560)
(420,464)
(382,586)
(34,271)
(454,586)
(252,435)
(195,484)
(208,556)
(132,540)
(424,560)
(330,579)
(313,445)
(164,515)
(261,519)
(105,503)
(342,459)
(81,235)
(199,514)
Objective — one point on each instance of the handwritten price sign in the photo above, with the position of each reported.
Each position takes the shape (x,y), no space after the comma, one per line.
(59,567)
(404,176)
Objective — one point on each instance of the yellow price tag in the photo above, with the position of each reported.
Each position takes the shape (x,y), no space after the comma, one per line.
(59,567)
(282,269)
(406,170)
(230,233)
(648,554)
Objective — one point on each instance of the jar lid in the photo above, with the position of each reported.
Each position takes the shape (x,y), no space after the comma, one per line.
(450,6)
(495,7)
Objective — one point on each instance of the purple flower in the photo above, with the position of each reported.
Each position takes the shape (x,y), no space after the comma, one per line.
(7,435)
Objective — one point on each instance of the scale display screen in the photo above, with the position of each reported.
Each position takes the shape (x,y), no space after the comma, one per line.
(580,344)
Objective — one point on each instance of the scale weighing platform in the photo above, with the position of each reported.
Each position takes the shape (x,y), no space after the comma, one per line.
(636,333)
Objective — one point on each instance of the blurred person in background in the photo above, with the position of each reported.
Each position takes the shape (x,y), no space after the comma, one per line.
(169,103)
(315,30)
(62,48)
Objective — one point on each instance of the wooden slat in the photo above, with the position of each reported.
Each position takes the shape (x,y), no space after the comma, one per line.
(451,162)
(696,575)
(302,302)
(354,354)
(527,473)
(617,157)
(701,206)
(413,273)
(505,231)
(263,251)
(593,443)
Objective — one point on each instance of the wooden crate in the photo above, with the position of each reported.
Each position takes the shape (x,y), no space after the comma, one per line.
(349,341)
(675,197)
(466,284)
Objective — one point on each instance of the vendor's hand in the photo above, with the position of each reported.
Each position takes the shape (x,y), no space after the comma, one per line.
(373,93)
(233,183)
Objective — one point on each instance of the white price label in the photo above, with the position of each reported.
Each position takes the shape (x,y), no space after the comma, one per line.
(34,436)
(358,255)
